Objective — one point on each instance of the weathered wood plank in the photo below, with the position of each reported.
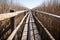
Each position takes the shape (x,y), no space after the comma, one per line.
(24,36)
(35,33)
(9,15)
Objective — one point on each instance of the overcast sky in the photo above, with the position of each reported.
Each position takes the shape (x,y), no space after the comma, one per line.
(29,3)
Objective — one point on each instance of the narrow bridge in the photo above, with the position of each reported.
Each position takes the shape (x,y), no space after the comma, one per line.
(25,25)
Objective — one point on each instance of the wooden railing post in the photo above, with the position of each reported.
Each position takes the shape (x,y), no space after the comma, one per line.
(24,13)
(34,13)
(13,25)
(12,21)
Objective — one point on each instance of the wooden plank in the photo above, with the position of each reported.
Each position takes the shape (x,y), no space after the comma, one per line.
(9,15)
(36,33)
(37,37)
(24,36)
(31,32)
(31,18)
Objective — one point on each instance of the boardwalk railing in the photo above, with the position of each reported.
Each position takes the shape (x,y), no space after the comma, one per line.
(48,14)
(10,21)
(9,15)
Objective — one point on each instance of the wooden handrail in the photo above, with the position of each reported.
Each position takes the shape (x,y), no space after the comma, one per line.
(16,29)
(9,15)
(48,14)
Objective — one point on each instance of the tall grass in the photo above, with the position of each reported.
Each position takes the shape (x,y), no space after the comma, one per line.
(51,7)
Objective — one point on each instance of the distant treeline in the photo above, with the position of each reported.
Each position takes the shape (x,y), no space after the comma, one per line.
(51,6)
(6,5)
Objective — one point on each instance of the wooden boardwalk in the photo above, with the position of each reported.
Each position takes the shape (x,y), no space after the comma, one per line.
(25,25)
(30,31)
